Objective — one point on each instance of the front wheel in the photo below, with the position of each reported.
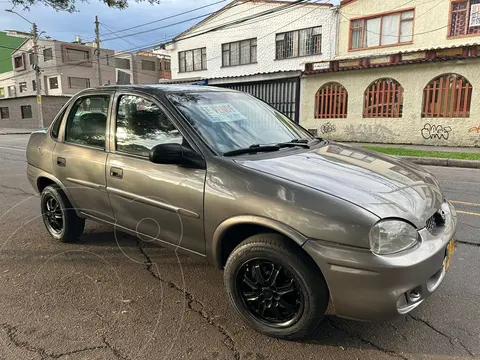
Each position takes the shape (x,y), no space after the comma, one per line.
(275,287)
(59,217)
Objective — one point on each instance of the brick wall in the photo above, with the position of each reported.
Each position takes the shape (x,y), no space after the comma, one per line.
(51,106)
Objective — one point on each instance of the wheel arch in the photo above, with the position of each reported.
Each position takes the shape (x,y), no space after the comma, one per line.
(45,179)
(239,228)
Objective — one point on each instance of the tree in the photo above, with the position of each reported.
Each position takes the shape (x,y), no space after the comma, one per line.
(69,5)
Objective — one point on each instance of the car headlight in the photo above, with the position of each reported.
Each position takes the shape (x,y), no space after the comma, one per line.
(392,236)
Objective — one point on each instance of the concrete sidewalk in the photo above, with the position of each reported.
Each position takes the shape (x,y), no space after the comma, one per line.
(449,162)
(8,131)
(475,150)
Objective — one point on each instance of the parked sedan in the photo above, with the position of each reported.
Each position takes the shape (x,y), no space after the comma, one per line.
(295,221)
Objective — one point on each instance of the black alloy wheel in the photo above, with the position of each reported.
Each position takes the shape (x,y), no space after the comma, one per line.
(275,287)
(59,216)
(53,215)
(270,292)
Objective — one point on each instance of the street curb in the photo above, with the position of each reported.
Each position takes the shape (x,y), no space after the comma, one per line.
(469,164)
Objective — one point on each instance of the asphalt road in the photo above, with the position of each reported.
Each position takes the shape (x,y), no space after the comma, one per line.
(112,297)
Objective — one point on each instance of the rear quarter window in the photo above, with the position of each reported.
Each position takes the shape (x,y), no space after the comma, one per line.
(57,123)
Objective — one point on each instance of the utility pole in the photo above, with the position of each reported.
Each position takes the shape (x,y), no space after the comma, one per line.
(37,74)
(97,41)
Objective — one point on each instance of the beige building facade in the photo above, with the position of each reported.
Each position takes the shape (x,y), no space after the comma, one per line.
(403,74)
(411,128)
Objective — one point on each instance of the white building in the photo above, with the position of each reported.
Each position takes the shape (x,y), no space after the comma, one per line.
(258,46)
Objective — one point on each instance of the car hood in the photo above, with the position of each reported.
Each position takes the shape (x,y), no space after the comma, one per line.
(383,185)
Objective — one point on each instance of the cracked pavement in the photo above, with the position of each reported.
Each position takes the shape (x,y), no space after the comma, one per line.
(113,296)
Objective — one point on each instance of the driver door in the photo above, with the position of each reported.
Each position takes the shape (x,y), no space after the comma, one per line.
(160,203)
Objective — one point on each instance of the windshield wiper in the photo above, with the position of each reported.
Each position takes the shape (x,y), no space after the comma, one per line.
(295,142)
(252,149)
(301,141)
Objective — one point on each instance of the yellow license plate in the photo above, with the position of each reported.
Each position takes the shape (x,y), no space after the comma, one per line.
(450,251)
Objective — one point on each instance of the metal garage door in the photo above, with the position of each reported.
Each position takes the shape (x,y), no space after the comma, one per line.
(282,94)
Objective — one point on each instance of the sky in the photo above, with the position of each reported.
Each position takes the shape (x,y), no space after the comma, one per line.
(65,26)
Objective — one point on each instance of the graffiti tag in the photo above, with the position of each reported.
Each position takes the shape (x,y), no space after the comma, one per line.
(436,132)
(328,128)
(375,133)
(474,130)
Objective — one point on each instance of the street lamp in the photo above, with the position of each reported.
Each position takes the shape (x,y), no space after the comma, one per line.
(35,37)
(14,12)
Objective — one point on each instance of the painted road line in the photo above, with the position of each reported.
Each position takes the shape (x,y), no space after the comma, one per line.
(12,148)
(464,203)
(468,213)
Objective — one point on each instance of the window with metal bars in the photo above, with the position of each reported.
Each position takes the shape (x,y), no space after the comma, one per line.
(464,18)
(331,102)
(299,43)
(447,96)
(383,99)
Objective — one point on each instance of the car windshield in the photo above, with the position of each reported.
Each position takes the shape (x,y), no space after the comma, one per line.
(229,121)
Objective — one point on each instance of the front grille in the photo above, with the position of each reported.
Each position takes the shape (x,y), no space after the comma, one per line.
(436,222)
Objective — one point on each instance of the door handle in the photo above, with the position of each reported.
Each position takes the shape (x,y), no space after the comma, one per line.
(61,161)
(116,172)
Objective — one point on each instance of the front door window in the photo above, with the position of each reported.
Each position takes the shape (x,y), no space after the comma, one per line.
(141,125)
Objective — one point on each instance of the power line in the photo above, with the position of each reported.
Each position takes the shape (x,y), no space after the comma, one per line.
(274,31)
(168,17)
(305,3)
(158,28)
(110,29)
(233,23)
(293,3)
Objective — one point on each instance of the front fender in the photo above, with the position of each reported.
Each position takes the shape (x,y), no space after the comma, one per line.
(214,256)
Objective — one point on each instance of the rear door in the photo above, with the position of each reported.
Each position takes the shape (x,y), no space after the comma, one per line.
(161,203)
(80,156)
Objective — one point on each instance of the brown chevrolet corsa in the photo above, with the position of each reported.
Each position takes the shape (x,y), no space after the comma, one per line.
(297,222)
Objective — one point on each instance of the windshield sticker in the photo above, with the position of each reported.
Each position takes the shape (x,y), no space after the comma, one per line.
(222,112)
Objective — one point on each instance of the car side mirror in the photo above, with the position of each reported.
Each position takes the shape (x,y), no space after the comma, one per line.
(172,153)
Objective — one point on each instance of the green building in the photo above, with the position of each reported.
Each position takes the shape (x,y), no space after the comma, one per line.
(8,44)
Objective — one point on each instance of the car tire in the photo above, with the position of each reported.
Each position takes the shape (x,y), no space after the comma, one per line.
(266,254)
(58,215)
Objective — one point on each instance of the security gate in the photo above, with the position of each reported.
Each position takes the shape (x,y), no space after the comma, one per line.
(282,94)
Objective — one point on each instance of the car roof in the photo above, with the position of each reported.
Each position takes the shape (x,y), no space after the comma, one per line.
(164,88)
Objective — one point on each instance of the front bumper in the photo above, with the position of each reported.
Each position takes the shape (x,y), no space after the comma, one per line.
(367,287)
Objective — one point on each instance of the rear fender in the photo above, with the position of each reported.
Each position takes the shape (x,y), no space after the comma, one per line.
(35,175)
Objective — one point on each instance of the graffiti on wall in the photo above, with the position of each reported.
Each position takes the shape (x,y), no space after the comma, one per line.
(328,128)
(475,130)
(375,133)
(436,132)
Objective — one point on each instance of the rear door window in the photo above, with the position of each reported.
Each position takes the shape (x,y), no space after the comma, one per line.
(87,121)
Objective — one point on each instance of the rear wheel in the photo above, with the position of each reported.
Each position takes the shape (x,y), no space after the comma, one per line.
(59,217)
(275,287)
